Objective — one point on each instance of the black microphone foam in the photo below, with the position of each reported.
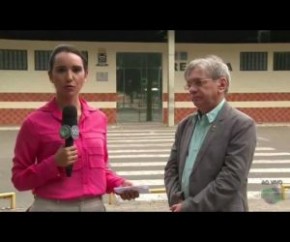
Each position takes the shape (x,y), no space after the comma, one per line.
(69,117)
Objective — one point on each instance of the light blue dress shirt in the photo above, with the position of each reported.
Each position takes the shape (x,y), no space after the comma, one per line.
(203,123)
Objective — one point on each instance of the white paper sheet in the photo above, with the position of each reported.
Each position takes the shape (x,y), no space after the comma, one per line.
(140,189)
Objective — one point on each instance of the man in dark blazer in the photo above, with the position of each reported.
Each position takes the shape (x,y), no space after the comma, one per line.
(213,149)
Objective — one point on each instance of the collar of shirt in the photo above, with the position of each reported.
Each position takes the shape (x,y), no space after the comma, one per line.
(211,116)
(52,107)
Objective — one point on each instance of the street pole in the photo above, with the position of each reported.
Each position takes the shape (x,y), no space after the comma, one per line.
(171,74)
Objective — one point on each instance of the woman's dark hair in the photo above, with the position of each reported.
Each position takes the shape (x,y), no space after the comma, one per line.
(68,49)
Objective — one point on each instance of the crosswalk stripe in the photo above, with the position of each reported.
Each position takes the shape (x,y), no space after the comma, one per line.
(167,155)
(273,154)
(168,147)
(152,131)
(137,134)
(168,150)
(269,170)
(137,156)
(161,172)
(271,161)
(160,182)
(140,173)
(265,148)
(153,182)
(163,196)
(164,145)
(139,140)
(128,164)
(163,163)
(139,145)
(139,151)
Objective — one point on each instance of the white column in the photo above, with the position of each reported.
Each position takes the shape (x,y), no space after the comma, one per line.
(171,74)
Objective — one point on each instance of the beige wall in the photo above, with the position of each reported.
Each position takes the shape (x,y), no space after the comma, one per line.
(37,81)
(242,82)
(256,84)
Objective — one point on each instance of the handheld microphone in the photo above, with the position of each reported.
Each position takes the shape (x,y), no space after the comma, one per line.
(69,130)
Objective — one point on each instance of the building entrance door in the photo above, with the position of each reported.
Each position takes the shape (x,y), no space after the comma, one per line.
(139,87)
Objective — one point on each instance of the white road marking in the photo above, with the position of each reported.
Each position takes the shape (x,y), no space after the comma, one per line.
(273,154)
(163,163)
(269,170)
(138,164)
(163,196)
(161,172)
(139,145)
(271,161)
(166,155)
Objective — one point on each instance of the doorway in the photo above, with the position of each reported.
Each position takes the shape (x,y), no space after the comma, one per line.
(139,87)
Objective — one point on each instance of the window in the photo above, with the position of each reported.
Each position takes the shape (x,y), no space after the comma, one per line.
(253,61)
(181,56)
(41,59)
(281,61)
(13,59)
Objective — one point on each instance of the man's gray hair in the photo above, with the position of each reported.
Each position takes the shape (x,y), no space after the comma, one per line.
(213,65)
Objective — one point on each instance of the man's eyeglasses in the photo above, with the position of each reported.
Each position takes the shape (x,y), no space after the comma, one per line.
(198,82)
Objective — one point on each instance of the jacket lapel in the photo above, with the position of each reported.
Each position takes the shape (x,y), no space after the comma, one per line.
(188,131)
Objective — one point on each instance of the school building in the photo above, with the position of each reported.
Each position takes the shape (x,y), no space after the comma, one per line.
(143,82)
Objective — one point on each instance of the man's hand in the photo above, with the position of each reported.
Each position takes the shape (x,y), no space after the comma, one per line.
(176,207)
(129,194)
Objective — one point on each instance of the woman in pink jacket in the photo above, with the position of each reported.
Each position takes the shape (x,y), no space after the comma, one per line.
(41,158)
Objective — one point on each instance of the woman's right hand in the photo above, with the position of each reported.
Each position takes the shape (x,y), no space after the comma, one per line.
(66,156)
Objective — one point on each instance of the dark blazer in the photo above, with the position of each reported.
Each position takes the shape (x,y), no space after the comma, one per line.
(218,181)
